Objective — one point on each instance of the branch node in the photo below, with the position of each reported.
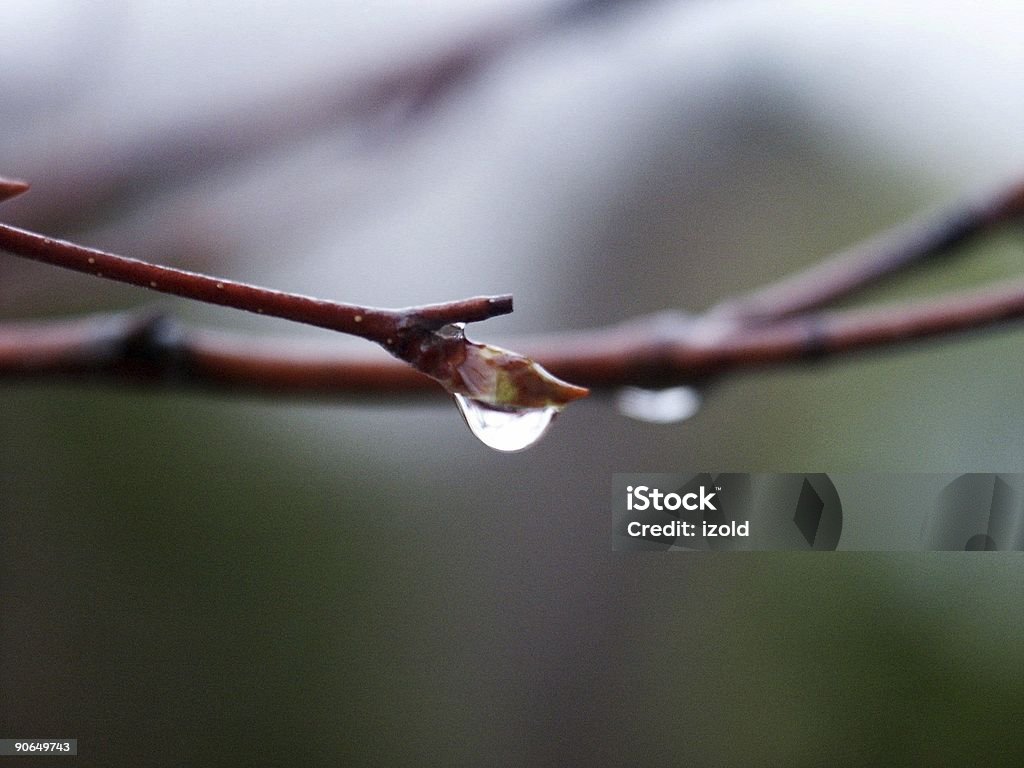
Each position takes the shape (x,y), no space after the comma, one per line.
(154,345)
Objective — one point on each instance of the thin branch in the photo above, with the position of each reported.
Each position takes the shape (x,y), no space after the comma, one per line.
(657,351)
(152,349)
(670,349)
(867,263)
(383,326)
(491,375)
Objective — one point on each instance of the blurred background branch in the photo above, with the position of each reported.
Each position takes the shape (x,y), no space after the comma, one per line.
(100,173)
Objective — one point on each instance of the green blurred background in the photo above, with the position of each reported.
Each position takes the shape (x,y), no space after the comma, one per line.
(212,580)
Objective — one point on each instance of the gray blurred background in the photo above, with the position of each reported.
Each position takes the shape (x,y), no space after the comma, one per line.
(210,580)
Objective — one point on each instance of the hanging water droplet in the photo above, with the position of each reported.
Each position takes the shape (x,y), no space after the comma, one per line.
(504,428)
(658,406)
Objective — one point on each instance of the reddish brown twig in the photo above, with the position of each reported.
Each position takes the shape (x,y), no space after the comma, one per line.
(653,352)
(464,367)
(383,326)
(657,351)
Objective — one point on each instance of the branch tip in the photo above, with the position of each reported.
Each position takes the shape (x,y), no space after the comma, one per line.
(434,316)
(11,188)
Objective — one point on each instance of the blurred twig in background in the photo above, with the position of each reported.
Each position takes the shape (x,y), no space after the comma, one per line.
(94,172)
